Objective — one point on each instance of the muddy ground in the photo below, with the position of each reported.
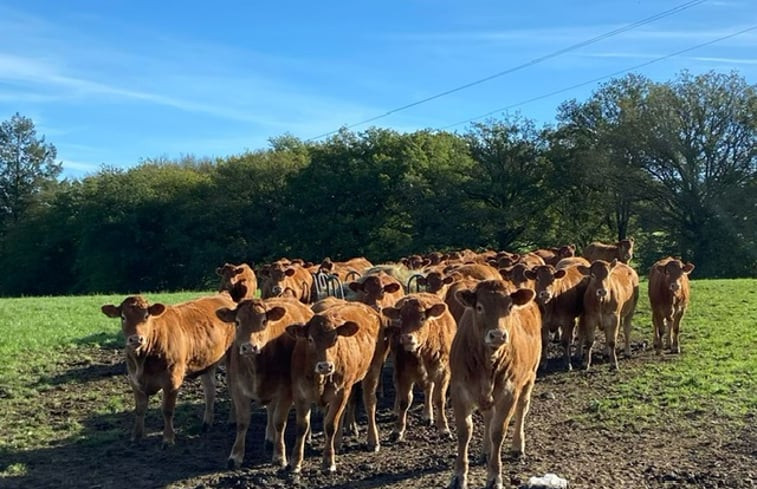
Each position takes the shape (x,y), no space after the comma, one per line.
(700,452)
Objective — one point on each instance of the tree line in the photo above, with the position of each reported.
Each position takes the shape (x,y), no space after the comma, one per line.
(672,164)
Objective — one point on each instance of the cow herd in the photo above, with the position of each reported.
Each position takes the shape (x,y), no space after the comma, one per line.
(474,324)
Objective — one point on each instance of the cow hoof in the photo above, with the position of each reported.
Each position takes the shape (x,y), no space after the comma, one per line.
(233,464)
(331,469)
(458,482)
(568,367)
(427,421)
(166,445)
(495,483)
(374,448)
(517,456)
(205,427)
(279,462)
(293,469)
(396,437)
(446,435)
(267,446)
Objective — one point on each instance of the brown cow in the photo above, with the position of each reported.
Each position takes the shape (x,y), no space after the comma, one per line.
(516,275)
(345,269)
(420,350)
(455,307)
(552,256)
(669,296)
(286,279)
(621,251)
(609,301)
(335,349)
(164,345)
(478,271)
(572,261)
(494,358)
(377,290)
(436,282)
(260,367)
(238,280)
(560,295)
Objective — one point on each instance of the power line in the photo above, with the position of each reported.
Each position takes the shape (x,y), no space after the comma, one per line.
(594,80)
(573,47)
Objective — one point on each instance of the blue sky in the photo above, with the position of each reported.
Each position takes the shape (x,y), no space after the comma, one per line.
(113,82)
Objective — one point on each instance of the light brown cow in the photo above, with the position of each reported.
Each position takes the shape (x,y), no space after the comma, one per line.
(560,295)
(531,260)
(609,302)
(552,256)
(345,269)
(621,251)
(164,345)
(455,307)
(260,367)
(494,358)
(478,271)
(238,280)
(572,261)
(286,279)
(516,275)
(377,290)
(436,282)
(420,351)
(669,295)
(335,349)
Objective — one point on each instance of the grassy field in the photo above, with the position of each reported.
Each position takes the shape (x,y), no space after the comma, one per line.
(43,340)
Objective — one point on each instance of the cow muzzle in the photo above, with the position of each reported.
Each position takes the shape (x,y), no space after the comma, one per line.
(675,286)
(545,296)
(276,290)
(409,343)
(601,293)
(324,368)
(135,341)
(496,338)
(246,349)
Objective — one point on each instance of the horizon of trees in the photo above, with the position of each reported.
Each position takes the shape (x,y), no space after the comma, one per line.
(673,164)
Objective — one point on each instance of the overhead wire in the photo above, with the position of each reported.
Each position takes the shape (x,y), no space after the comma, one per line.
(554,54)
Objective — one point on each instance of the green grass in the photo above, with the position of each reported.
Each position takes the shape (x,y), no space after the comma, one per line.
(714,377)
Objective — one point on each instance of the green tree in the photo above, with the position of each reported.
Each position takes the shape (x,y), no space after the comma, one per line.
(27,164)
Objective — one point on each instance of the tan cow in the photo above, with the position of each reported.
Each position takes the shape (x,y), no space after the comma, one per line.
(516,275)
(669,295)
(552,256)
(377,290)
(455,307)
(335,349)
(494,358)
(345,269)
(621,251)
(287,279)
(420,351)
(478,271)
(260,367)
(238,280)
(560,295)
(164,345)
(609,302)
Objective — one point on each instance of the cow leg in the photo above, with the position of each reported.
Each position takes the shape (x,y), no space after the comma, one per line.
(403,387)
(486,442)
(140,408)
(281,412)
(209,389)
(242,410)
(566,338)
(169,406)
(270,430)
(428,406)
(659,330)
(587,328)
(370,383)
(464,424)
(440,401)
(349,420)
(498,425)
(627,334)
(675,346)
(611,327)
(230,383)
(669,323)
(302,408)
(521,410)
(330,425)
(545,336)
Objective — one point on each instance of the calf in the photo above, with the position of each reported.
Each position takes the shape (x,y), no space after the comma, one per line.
(260,367)
(336,348)
(420,349)
(609,301)
(560,295)
(377,290)
(494,358)
(164,345)
(285,279)
(517,275)
(669,297)
(237,280)
(622,251)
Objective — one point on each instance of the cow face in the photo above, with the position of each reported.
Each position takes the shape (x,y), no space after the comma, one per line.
(493,305)
(135,314)
(546,279)
(567,251)
(373,289)
(599,274)
(410,317)
(251,318)
(625,250)
(435,282)
(674,272)
(322,336)
(279,276)
(228,274)
(516,275)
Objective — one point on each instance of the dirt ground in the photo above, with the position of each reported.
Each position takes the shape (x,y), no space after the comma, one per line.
(706,454)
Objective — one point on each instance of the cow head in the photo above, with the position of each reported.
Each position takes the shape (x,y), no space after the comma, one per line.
(546,278)
(410,316)
(625,250)
(566,251)
(435,281)
(228,274)
(599,274)
(136,324)
(674,271)
(251,318)
(516,275)
(278,275)
(493,304)
(373,288)
(322,335)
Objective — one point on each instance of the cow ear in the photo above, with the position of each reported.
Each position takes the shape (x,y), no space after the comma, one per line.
(613,263)
(505,272)
(630,239)
(219,271)
(448,279)
(111,311)
(290,271)
(226,315)
(355,286)
(275,313)
(391,313)
(466,297)
(238,270)
(265,272)
(392,288)
(583,269)
(297,330)
(436,310)
(422,281)
(238,291)
(521,297)
(347,329)
(426,262)
(688,268)
(560,273)
(531,274)
(156,309)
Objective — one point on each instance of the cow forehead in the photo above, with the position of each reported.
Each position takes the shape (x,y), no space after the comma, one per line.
(251,308)
(600,269)
(134,303)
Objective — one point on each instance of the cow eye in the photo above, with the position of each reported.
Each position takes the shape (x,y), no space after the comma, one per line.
(479,308)
(310,340)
